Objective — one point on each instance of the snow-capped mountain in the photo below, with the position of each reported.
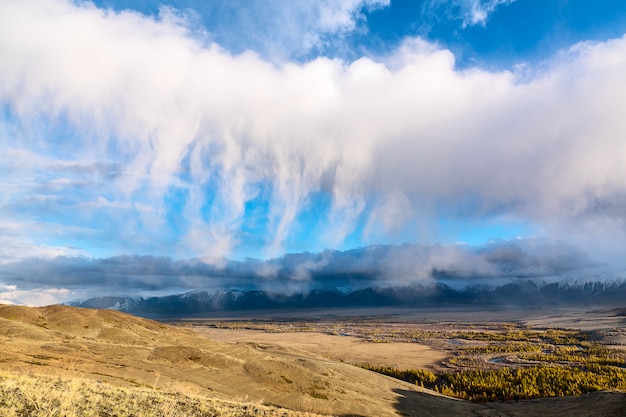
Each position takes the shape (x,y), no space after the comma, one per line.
(520,293)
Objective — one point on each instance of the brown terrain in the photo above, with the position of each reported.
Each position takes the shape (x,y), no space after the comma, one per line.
(308,372)
(348,349)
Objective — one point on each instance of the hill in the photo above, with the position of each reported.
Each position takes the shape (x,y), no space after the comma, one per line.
(130,352)
(54,355)
(41,396)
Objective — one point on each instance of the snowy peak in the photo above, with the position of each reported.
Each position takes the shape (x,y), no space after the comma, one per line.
(516,293)
(126,304)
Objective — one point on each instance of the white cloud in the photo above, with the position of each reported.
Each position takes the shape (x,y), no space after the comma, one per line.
(10,294)
(279,30)
(477,11)
(469,12)
(16,245)
(412,133)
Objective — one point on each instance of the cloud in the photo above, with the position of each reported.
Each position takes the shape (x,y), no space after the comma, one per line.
(15,246)
(477,11)
(279,31)
(10,294)
(373,266)
(469,12)
(136,136)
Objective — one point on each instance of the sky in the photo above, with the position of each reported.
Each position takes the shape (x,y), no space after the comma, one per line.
(165,133)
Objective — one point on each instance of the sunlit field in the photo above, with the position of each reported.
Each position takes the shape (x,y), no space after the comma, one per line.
(477,361)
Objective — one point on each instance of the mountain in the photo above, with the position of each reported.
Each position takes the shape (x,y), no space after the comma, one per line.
(519,293)
(110,303)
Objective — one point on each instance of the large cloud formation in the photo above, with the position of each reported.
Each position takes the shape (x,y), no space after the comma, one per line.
(143,133)
(373,266)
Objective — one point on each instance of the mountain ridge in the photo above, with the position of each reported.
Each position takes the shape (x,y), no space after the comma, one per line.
(521,293)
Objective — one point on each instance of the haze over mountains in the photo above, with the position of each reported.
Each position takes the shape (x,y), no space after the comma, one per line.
(518,272)
(525,293)
(504,273)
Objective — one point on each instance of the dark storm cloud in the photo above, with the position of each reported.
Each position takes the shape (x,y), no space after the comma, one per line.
(373,266)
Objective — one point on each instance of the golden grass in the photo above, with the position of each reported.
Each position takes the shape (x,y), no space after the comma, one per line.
(32,395)
(63,361)
(130,352)
(344,348)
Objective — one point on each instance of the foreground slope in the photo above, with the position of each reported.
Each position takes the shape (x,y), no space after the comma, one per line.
(127,351)
(101,355)
(41,396)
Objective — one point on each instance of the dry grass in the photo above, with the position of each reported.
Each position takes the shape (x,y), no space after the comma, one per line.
(62,361)
(441,347)
(133,353)
(36,395)
(350,349)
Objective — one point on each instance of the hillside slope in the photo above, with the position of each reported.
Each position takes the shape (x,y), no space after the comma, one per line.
(114,356)
(124,350)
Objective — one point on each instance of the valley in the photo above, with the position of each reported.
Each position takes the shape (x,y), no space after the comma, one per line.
(435,339)
(287,364)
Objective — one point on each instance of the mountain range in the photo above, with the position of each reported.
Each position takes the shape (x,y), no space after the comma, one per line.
(522,293)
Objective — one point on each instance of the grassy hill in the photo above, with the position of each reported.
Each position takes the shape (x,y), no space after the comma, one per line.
(70,361)
(42,396)
(119,350)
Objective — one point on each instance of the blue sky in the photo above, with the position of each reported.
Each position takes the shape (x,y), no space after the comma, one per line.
(492,33)
(233,129)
